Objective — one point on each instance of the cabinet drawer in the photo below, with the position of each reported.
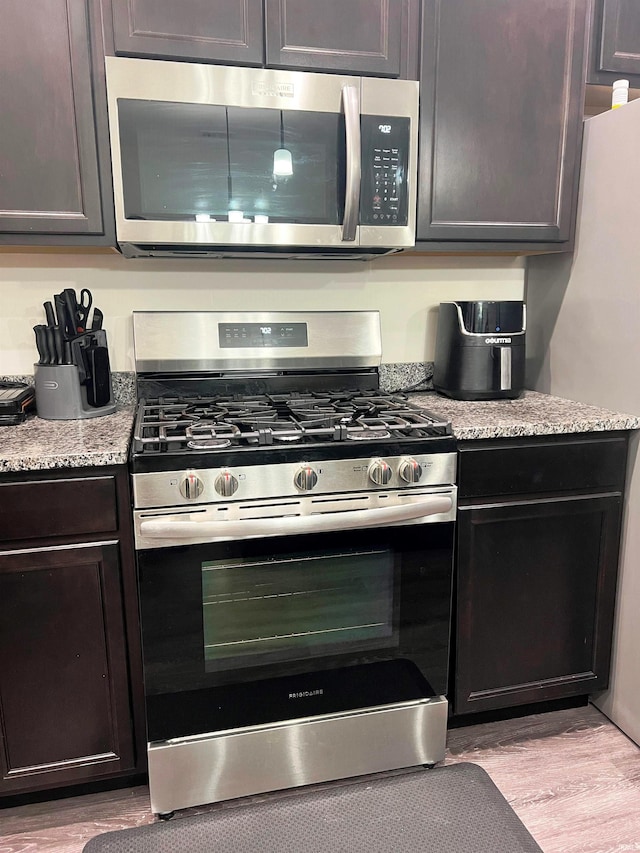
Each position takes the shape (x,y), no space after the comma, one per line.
(48,508)
(489,469)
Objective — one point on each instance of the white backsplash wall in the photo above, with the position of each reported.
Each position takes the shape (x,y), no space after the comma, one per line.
(405,289)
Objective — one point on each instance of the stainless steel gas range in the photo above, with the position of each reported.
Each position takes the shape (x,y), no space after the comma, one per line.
(294,535)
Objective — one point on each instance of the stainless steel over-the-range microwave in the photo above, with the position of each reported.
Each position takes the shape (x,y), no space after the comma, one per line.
(216,161)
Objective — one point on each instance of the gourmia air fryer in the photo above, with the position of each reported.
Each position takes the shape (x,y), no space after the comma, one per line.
(480,351)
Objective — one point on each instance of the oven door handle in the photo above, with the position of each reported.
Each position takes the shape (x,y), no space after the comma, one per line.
(295,525)
(351,107)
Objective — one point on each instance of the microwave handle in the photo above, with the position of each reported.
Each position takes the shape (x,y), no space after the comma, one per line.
(351,107)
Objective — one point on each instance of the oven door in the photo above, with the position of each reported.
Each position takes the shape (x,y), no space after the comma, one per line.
(244,633)
(210,156)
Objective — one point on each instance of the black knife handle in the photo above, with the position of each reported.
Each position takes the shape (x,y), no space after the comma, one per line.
(72,310)
(96,322)
(49,314)
(58,339)
(41,344)
(51,345)
(61,311)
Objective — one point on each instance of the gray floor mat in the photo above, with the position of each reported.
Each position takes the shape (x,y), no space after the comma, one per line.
(453,809)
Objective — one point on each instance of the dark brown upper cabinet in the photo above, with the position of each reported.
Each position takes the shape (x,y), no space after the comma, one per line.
(352,36)
(50,181)
(614,50)
(502,94)
(205,30)
(376,37)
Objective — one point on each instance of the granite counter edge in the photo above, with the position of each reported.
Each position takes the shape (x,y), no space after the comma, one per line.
(463,433)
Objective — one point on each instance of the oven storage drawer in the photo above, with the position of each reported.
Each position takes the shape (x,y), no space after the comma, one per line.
(554,464)
(80,506)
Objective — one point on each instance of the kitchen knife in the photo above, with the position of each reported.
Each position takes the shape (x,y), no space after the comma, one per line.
(78,355)
(49,313)
(58,339)
(41,344)
(72,311)
(63,318)
(51,345)
(96,322)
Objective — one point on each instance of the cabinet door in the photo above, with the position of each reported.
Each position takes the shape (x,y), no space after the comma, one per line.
(205,30)
(49,180)
(535,600)
(502,94)
(353,36)
(64,695)
(615,46)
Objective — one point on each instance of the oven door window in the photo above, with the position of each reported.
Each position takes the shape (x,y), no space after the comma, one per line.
(298,607)
(204,163)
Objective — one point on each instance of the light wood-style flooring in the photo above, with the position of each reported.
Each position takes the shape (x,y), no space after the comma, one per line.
(571,776)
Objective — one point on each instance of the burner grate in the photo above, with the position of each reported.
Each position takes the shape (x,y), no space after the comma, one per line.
(214,423)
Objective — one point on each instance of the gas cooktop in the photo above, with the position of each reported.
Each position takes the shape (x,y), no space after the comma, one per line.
(170,425)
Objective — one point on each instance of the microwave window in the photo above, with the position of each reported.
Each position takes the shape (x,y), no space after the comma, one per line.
(197,162)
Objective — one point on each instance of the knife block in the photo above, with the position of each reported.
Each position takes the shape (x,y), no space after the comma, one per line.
(60,395)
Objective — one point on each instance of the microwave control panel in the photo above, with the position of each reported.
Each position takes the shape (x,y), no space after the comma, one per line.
(385,155)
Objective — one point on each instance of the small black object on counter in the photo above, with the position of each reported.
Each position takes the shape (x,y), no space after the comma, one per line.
(17,401)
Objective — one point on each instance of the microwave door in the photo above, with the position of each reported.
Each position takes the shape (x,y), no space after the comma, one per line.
(212,157)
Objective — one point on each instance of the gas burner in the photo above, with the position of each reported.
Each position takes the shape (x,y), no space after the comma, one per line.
(210,435)
(249,407)
(356,407)
(368,434)
(193,415)
(269,429)
(319,418)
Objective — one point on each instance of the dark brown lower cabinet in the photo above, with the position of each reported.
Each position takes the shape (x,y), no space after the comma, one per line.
(63,666)
(536,571)
(70,673)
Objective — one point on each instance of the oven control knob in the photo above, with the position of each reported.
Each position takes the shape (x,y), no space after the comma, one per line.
(380,472)
(192,486)
(305,478)
(410,471)
(226,484)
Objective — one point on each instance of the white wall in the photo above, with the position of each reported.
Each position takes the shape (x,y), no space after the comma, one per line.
(405,289)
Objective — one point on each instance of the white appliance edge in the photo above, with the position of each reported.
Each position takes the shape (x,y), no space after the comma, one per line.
(584,344)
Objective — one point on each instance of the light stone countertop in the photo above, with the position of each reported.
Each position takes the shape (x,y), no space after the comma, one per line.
(532,413)
(38,444)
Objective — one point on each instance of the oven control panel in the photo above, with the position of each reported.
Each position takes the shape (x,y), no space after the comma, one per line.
(283,480)
(380,473)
